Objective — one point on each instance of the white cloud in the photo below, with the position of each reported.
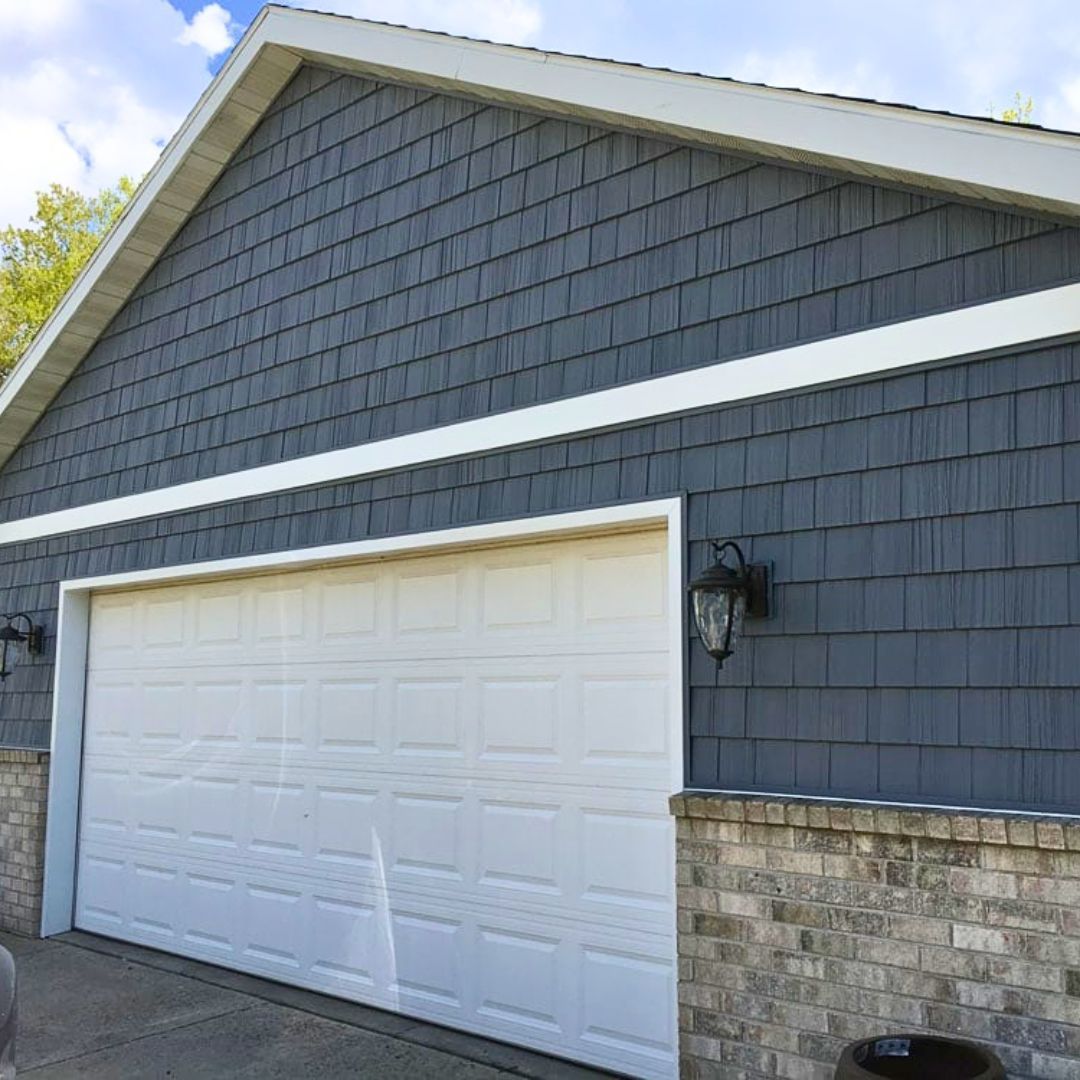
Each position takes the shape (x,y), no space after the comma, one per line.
(210,28)
(90,90)
(1062,109)
(801,68)
(515,22)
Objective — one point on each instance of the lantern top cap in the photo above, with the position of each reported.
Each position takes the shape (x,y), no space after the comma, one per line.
(720,575)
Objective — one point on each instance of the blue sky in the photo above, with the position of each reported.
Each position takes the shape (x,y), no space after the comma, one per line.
(92,89)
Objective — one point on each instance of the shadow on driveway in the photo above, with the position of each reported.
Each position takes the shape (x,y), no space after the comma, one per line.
(94,1008)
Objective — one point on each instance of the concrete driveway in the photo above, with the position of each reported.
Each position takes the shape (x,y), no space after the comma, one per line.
(94,1008)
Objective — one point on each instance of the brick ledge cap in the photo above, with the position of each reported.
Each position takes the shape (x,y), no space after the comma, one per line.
(970,826)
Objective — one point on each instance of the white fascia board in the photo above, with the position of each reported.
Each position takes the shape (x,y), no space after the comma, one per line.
(944,152)
(1000,324)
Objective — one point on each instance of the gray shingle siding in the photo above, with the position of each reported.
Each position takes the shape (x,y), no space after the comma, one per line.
(377,260)
(921,649)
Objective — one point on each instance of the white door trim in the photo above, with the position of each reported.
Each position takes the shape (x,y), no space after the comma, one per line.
(999,324)
(73,632)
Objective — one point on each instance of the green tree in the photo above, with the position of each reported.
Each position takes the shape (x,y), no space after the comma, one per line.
(39,262)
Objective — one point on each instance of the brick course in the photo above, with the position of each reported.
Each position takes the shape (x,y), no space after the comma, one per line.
(24,781)
(803,926)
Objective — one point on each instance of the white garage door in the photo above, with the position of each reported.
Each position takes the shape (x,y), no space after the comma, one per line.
(437,785)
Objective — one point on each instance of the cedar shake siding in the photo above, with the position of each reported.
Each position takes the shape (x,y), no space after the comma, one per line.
(379,260)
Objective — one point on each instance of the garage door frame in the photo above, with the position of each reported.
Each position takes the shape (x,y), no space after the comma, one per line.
(73,631)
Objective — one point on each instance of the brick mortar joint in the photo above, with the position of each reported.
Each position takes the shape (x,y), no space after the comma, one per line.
(10,755)
(1012,830)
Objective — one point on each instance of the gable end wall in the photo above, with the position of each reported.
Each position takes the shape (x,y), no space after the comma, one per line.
(378,260)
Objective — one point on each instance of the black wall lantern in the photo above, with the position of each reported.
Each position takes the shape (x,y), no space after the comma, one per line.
(724,595)
(32,635)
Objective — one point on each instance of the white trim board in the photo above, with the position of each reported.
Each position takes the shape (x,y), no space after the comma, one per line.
(999,324)
(1006,164)
(73,635)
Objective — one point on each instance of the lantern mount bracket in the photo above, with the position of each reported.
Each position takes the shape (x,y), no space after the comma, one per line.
(755,577)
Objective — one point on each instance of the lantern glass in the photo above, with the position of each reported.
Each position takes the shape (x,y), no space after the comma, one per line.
(719,614)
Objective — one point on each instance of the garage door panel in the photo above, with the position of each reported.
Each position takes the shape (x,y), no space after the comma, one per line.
(111,712)
(518,979)
(345,941)
(209,906)
(437,785)
(567,859)
(620,989)
(608,596)
(587,719)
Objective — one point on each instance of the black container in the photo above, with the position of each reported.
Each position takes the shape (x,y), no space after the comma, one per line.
(918,1057)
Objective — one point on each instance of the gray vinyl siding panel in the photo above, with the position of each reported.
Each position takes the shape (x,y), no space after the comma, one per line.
(377,260)
(927,606)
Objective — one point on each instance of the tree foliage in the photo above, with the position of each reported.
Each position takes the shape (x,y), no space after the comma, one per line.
(1020,112)
(39,261)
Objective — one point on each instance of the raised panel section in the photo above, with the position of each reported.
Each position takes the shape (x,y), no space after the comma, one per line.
(519,846)
(348,609)
(518,979)
(218,619)
(278,814)
(163,710)
(428,602)
(519,719)
(625,719)
(217,713)
(623,586)
(426,960)
(215,811)
(428,717)
(621,992)
(279,615)
(112,629)
(427,835)
(106,804)
(346,829)
(159,800)
(153,899)
(163,624)
(347,716)
(210,911)
(344,941)
(111,711)
(612,878)
(278,713)
(518,596)
(274,925)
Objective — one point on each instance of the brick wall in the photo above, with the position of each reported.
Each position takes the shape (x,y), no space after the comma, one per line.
(804,926)
(24,779)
